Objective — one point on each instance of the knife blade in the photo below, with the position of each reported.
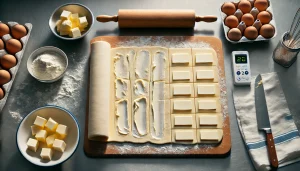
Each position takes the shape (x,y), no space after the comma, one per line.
(263,121)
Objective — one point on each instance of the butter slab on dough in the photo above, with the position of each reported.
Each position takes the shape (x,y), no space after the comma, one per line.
(184,136)
(182,90)
(177,52)
(208,105)
(204,52)
(182,105)
(183,121)
(209,120)
(209,135)
(207,74)
(207,89)
(181,74)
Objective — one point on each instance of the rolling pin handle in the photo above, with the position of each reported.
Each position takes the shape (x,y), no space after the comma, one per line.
(208,18)
(107,18)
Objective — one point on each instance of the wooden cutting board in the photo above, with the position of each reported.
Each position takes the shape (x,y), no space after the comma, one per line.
(105,149)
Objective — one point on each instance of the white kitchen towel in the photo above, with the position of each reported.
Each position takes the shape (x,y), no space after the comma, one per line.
(285,133)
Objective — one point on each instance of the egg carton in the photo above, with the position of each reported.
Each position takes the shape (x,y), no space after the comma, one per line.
(13,71)
(244,39)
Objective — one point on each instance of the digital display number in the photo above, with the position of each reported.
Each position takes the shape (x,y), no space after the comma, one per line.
(241,59)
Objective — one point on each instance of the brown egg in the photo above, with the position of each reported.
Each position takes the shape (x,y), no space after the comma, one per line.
(1,93)
(244,6)
(231,21)
(228,8)
(234,34)
(13,46)
(248,19)
(261,5)
(4,77)
(264,17)
(251,33)
(8,61)
(1,44)
(267,31)
(18,31)
(4,29)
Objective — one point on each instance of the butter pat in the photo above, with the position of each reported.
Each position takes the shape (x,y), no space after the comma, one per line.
(58,24)
(46,153)
(35,129)
(59,145)
(208,119)
(66,26)
(183,105)
(50,140)
(181,75)
(75,20)
(204,58)
(187,135)
(65,15)
(83,22)
(205,74)
(182,90)
(207,104)
(51,125)
(32,144)
(212,135)
(183,120)
(41,135)
(180,58)
(75,32)
(40,121)
(206,89)
(61,130)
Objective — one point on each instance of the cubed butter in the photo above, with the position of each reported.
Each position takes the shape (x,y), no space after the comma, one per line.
(59,145)
(83,22)
(41,135)
(64,33)
(46,153)
(66,25)
(61,130)
(75,20)
(50,140)
(58,24)
(75,32)
(65,15)
(51,125)
(40,121)
(35,129)
(32,144)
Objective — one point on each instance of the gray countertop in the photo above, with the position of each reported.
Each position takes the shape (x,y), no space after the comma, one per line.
(27,94)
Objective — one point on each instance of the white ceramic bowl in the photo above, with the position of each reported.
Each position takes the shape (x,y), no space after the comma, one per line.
(45,49)
(60,115)
(74,8)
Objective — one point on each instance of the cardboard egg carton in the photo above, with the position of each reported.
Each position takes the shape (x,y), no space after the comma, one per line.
(244,39)
(19,55)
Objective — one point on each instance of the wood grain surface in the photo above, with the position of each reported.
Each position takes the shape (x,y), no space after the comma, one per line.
(114,149)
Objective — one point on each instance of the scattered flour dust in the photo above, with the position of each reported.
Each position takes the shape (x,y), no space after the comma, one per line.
(66,92)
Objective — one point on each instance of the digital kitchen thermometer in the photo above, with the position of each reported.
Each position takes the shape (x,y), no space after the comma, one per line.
(241,68)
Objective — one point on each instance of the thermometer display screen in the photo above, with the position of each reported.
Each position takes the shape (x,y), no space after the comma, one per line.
(241,59)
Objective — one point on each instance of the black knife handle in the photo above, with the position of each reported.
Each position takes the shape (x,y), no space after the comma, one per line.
(272,151)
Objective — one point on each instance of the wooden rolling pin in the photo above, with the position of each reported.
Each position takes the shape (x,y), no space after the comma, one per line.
(130,18)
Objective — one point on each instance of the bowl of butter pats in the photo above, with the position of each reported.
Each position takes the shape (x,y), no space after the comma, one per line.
(71,21)
(48,136)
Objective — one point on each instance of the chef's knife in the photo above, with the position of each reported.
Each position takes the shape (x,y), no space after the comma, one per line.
(263,121)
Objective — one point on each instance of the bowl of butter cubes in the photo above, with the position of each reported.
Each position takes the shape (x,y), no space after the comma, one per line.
(48,136)
(71,21)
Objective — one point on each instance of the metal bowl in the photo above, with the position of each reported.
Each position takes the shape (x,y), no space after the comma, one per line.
(73,8)
(40,51)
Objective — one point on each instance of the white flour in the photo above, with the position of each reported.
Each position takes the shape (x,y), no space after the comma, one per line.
(67,92)
(48,66)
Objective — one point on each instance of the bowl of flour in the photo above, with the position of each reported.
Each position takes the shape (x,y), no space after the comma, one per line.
(47,64)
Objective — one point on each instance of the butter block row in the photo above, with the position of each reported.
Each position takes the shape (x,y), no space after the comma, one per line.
(192,57)
(208,120)
(188,90)
(192,136)
(197,105)
(193,74)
